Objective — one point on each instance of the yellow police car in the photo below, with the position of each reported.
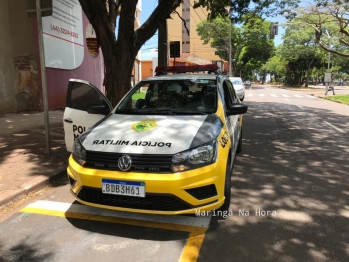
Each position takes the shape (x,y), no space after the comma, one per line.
(168,147)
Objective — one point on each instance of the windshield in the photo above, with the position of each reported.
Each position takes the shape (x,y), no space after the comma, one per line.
(236,82)
(171,96)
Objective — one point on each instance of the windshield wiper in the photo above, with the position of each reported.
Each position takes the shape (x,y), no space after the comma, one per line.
(191,113)
(129,111)
(163,111)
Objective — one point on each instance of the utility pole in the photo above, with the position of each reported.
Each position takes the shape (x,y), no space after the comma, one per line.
(162,42)
(230,69)
(328,65)
(43,76)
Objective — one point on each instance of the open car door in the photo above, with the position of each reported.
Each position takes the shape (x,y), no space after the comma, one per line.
(85,106)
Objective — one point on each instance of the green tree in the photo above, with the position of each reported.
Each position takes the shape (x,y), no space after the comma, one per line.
(251,45)
(259,45)
(330,20)
(301,51)
(119,52)
(276,66)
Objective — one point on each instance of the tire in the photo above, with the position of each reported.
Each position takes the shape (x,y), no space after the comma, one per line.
(239,148)
(227,188)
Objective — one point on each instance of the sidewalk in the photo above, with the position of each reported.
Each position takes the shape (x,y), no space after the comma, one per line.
(318,91)
(24,164)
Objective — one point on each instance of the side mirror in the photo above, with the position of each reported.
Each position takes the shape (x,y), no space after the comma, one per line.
(140,103)
(98,109)
(237,109)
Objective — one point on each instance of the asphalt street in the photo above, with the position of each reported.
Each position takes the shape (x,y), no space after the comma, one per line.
(290,200)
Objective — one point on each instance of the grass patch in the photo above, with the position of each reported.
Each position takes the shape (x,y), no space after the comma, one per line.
(344,99)
(138,95)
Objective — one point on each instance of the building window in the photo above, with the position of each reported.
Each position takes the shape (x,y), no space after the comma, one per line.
(183,42)
(92,41)
(188,42)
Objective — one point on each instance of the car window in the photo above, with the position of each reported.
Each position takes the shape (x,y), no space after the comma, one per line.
(82,96)
(236,80)
(177,95)
(227,98)
(232,91)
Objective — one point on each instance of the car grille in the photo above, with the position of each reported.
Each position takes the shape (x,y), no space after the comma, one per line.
(140,162)
(159,202)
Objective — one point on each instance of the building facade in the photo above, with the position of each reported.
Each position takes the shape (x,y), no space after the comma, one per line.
(178,32)
(20,76)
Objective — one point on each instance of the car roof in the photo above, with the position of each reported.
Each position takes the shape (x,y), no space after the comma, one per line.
(183,77)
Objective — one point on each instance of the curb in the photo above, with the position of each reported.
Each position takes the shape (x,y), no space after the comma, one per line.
(9,197)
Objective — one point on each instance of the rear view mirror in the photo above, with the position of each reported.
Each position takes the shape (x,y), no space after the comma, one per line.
(98,109)
(237,109)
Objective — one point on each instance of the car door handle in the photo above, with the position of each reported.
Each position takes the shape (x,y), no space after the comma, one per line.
(68,120)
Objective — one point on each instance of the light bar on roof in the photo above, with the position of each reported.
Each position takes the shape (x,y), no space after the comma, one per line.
(185,69)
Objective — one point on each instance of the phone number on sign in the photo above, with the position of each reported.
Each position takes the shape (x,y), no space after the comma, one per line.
(64,31)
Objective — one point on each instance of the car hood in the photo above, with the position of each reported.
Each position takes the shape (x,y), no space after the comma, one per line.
(137,134)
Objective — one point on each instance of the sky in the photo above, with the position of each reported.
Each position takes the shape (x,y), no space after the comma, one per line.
(148,50)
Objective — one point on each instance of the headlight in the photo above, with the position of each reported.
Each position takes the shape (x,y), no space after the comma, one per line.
(194,158)
(79,153)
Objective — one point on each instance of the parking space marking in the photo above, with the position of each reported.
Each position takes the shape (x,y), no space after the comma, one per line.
(285,96)
(196,229)
(261,95)
(300,107)
(298,96)
(273,95)
(338,129)
(310,96)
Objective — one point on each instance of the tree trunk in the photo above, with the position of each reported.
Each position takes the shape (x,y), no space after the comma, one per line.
(117,79)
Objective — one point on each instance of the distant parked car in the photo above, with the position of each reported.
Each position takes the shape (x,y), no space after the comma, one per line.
(239,87)
(247,83)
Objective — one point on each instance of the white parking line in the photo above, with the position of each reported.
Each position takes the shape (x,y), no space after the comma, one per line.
(273,95)
(310,96)
(285,96)
(298,96)
(249,95)
(338,129)
(300,107)
(261,95)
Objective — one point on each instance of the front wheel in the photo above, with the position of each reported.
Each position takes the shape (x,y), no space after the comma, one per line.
(227,188)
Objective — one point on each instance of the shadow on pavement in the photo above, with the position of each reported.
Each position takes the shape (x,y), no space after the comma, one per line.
(23,155)
(296,165)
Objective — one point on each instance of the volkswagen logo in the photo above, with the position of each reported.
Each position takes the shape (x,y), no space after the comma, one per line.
(125,163)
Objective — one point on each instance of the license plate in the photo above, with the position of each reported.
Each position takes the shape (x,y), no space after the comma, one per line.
(124,188)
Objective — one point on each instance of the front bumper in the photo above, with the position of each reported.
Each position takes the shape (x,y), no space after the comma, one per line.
(171,194)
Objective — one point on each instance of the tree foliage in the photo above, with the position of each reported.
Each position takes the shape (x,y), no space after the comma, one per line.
(251,45)
(325,15)
(120,52)
(301,52)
